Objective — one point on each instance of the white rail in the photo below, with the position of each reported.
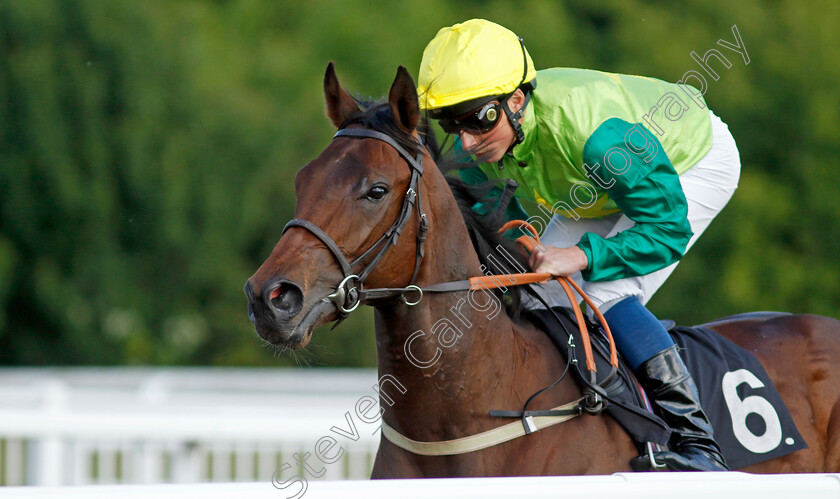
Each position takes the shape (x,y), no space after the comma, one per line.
(623,485)
(100,426)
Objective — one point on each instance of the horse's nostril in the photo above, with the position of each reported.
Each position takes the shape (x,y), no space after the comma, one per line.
(278,293)
(286,297)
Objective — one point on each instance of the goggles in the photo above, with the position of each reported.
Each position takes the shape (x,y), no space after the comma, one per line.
(479,121)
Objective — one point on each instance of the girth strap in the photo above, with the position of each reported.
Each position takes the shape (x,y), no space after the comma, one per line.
(481,440)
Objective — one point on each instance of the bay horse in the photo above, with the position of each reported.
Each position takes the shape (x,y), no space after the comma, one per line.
(348,199)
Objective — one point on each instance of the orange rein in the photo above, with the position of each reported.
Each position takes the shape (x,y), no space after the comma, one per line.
(530,243)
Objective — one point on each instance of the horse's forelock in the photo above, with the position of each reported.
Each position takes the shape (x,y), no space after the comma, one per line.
(377,115)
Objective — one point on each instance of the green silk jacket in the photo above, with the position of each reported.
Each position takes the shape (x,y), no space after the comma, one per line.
(600,143)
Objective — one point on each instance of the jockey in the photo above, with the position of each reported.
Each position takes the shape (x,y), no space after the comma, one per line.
(628,170)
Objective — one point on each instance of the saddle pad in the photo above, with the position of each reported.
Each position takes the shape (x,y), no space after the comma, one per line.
(751,423)
(750,420)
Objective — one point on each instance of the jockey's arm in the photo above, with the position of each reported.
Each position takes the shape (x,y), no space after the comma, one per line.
(647,191)
(514,210)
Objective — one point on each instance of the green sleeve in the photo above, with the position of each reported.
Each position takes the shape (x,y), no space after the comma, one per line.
(475,175)
(645,186)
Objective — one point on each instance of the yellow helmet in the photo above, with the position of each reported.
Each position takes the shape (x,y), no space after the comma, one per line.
(471,60)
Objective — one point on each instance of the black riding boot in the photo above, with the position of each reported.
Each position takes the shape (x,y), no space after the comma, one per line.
(676,400)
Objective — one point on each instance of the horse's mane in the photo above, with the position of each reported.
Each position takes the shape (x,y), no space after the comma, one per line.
(482,227)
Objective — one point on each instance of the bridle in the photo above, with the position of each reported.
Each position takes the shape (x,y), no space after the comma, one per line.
(349,293)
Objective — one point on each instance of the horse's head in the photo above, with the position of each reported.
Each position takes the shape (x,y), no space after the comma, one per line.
(348,199)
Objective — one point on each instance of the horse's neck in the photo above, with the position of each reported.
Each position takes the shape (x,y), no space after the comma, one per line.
(456,355)
(445,355)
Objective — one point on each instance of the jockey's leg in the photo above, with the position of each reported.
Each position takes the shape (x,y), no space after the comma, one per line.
(651,352)
(708,186)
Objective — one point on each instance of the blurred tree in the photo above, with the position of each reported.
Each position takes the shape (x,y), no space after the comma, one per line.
(147,151)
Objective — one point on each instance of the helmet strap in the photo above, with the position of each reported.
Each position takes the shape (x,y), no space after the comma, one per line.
(514,118)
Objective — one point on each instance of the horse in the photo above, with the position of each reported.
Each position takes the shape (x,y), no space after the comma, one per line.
(348,199)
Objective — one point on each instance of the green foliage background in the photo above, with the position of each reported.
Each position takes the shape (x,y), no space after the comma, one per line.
(148,150)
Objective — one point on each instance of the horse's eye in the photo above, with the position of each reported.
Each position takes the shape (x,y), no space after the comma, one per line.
(377,192)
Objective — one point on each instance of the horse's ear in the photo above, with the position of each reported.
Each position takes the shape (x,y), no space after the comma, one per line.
(340,106)
(403,101)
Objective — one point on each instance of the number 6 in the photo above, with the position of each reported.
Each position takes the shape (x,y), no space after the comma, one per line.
(754,404)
